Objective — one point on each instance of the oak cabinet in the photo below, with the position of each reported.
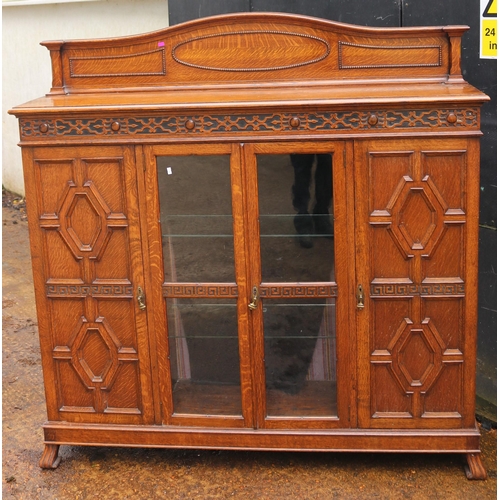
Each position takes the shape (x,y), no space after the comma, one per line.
(257,231)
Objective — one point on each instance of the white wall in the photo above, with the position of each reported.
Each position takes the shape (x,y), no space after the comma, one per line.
(26,70)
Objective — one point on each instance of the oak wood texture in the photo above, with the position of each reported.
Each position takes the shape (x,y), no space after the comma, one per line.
(402,126)
(475,468)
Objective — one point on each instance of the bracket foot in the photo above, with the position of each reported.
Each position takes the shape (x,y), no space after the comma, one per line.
(474,468)
(50,458)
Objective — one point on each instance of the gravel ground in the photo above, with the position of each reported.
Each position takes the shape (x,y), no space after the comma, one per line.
(125,473)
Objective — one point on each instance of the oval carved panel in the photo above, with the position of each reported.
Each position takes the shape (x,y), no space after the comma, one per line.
(257,51)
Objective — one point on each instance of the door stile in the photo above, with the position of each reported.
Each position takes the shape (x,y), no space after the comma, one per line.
(471,278)
(343,201)
(39,270)
(157,314)
(362,266)
(351,280)
(242,282)
(137,259)
(254,272)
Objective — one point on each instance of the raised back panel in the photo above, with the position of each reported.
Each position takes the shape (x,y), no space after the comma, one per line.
(242,48)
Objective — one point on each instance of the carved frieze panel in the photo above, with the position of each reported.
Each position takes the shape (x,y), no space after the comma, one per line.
(276,291)
(199,124)
(70,290)
(413,289)
(190,290)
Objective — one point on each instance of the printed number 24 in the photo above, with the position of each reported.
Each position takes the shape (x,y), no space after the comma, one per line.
(489,32)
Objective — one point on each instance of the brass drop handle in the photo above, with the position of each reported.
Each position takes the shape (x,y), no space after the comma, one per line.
(141,299)
(255,297)
(360,297)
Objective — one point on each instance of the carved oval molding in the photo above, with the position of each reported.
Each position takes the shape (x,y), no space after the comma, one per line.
(256,51)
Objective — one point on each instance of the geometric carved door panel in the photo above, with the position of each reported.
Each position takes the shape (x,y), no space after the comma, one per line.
(91,330)
(411,210)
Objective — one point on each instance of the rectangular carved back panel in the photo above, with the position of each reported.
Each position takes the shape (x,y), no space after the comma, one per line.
(255,47)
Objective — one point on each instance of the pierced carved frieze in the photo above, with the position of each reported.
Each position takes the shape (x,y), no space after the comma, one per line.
(379,120)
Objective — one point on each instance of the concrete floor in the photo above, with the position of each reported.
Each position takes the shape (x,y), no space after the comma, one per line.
(125,473)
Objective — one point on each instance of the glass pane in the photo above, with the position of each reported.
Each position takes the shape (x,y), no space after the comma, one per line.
(296,223)
(196,218)
(204,356)
(300,354)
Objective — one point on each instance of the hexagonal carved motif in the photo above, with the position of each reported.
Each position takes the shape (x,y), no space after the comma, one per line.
(417,219)
(83,216)
(416,352)
(416,358)
(86,221)
(83,222)
(94,354)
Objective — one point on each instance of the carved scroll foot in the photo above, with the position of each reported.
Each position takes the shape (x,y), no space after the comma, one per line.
(475,468)
(49,459)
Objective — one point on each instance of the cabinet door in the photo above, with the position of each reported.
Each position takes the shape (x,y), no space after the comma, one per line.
(246,283)
(298,268)
(416,251)
(198,283)
(85,239)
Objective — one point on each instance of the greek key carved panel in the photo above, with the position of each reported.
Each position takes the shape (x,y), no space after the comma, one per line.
(190,290)
(76,291)
(310,291)
(402,290)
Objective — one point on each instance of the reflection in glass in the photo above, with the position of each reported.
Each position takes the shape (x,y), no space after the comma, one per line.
(196,218)
(204,356)
(296,223)
(300,357)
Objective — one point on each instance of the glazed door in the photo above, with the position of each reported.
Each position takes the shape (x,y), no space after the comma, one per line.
(198,287)
(87,263)
(414,239)
(248,283)
(297,275)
